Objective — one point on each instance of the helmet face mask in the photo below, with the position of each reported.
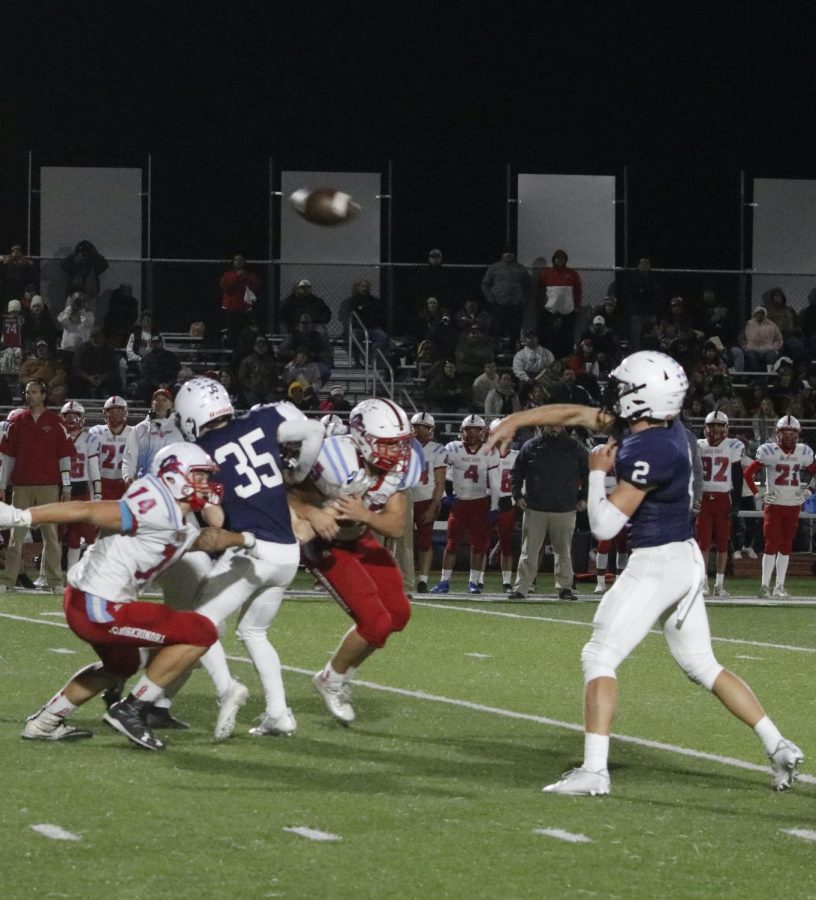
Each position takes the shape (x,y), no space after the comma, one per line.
(199,402)
(473,432)
(382,433)
(73,417)
(115,412)
(423,425)
(787,433)
(185,469)
(716,428)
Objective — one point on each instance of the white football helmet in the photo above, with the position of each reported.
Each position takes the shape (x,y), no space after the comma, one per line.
(115,412)
(716,427)
(473,431)
(199,402)
(648,385)
(333,425)
(381,432)
(423,425)
(185,470)
(73,416)
(787,433)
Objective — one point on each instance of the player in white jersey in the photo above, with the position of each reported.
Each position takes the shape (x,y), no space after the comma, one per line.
(101,604)
(503,522)
(719,453)
(85,477)
(789,468)
(112,437)
(473,470)
(358,486)
(427,494)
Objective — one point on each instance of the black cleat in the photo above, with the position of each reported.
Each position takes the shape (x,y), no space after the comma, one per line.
(113,694)
(516,595)
(567,594)
(129,717)
(23,581)
(161,717)
(422,586)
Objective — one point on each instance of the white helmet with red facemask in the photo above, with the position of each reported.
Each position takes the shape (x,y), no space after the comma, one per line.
(423,424)
(716,427)
(73,417)
(114,412)
(185,470)
(382,433)
(473,432)
(787,433)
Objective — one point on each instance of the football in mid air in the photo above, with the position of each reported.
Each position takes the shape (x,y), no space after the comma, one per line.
(324,206)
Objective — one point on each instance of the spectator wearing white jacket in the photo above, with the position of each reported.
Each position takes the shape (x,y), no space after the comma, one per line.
(530,363)
(145,440)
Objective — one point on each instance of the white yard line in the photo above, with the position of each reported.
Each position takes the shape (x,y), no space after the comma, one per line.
(509,713)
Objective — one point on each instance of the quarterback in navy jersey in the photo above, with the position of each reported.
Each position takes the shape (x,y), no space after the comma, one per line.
(664,579)
(247,449)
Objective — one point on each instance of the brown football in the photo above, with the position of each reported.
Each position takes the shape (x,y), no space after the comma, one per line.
(324,206)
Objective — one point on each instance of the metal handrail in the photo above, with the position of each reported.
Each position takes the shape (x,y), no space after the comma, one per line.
(376,377)
(353,341)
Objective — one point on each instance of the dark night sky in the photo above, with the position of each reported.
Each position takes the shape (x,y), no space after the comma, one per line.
(684,97)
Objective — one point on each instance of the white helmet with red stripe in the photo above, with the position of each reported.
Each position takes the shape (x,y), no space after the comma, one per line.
(115,411)
(381,432)
(423,424)
(716,427)
(185,470)
(787,433)
(73,416)
(473,431)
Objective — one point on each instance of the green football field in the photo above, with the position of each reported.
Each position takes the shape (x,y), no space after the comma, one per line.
(435,791)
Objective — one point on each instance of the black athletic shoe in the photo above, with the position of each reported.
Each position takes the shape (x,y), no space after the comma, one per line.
(23,581)
(567,594)
(507,588)
(113,694)
(516,595)
(422,586)
(129,717)
(161,717)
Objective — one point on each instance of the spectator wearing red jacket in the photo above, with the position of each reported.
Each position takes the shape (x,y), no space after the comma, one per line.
(239,291)
(559,298)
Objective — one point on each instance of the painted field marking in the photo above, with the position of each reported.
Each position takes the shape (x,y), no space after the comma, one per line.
(55,833)
(805,833)
(562,835)
(313,834)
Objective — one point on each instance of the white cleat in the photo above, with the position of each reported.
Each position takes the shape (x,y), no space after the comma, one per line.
(784,761)
(780,593)
(41,582)
(599,589)
(737,554)
(750,552)
(337,698)
(44,726)
(228,707)
(284,725)
(720,591)
(580,782)
(706,591)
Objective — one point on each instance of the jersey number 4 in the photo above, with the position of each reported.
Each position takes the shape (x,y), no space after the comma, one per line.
(249,464)
(471,473)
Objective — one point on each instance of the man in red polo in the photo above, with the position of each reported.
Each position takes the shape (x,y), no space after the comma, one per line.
(35,460)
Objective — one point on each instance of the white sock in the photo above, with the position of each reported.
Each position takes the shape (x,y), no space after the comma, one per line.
(596,752)
(446,574)
(474,575)
(481,577)
(768,563)
(601,580)
(601,562)
(146,690)
(507,577)
(423,579)
(214,662)
(58,705)
(781,569)
(720,579)
(768,733)
(351,671)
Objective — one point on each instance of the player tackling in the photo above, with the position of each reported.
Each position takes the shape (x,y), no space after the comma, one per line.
(664,579)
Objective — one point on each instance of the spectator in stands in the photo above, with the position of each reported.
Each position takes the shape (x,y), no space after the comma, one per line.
(444,393)
(43,366)
(16,271)
(763,424)
(82,269)
(434,280)
(712,362)
(530,362)
(444,336)
(807,320)
(430,315)
(611,310)
(315,343)
(230,385)
(336,401)
(239,293)
(786,386)
(138,342)
(123,311)
(96,371)
(76,321)
(483,385)
(502,399)
(507,289)
(303,396)
(762,343)
(584,363)
(569,391)
(643,303)
(39,323)
(472,315)
(733,406)
(472,352)
(787,321)
(370,310)
(559,294)
(427,356)
(719,393)
(12,325)
(303,369)
(717,322)
(301,301)
(677,324)
(160,369)
(258,373)
(606,346)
